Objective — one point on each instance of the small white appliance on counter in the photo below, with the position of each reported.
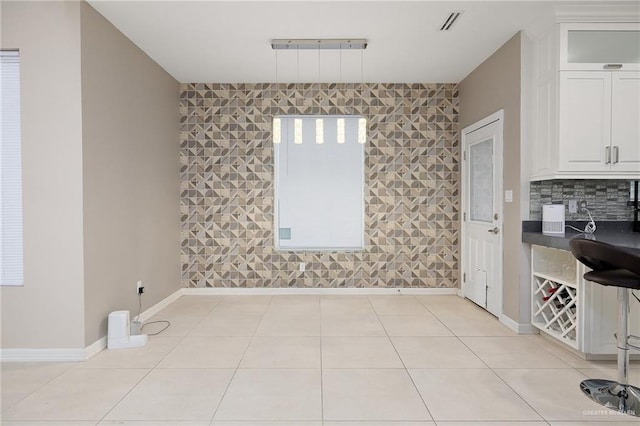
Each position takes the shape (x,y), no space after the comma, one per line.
(553,219)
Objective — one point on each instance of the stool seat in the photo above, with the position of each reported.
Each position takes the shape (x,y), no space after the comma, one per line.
(614,277)
(601,256)
(616,267)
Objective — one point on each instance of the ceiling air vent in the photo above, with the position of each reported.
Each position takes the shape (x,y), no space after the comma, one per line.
(452,19)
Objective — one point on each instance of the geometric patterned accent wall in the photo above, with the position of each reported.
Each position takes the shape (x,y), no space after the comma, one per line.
(606,199)
(412,171)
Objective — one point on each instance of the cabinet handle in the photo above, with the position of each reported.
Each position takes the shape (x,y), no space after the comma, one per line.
(612,66)
(615,154)
(607,155)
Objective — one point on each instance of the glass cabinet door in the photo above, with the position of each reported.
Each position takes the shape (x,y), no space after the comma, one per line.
(600,46)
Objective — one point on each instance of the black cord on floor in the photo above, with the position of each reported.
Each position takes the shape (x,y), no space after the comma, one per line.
(156,322)
(150,322)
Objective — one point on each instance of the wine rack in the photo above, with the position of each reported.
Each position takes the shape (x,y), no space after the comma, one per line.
(555,294)
(556,307)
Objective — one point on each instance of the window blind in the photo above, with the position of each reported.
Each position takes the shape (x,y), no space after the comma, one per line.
(11,262)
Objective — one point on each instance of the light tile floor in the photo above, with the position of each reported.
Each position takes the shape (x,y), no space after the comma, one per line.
(312,361)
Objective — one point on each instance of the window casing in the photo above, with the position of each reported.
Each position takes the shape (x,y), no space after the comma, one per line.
(319,184)
(11,240)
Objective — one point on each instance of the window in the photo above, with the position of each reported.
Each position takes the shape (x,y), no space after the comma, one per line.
(319,184)
(11,265)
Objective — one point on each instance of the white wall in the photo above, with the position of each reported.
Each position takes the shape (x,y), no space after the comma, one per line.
(131,175)
(48,311)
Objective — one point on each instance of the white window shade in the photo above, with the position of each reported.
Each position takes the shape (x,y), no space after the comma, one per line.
(11,263)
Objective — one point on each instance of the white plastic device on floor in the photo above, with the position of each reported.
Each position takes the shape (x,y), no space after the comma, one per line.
(119,333)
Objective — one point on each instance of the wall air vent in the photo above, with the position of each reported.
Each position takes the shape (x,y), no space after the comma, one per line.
(452,19)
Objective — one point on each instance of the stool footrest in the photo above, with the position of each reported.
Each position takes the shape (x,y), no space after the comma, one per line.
(636,342)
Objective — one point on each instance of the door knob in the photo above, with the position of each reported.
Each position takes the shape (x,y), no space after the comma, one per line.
(494,230)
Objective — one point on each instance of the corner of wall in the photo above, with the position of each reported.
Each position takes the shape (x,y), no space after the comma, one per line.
(131,179)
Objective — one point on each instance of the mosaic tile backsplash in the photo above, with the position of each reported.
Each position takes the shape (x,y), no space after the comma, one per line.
(606,199)
(411,186)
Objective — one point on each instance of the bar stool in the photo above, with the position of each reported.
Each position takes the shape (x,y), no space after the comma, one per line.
(613,266)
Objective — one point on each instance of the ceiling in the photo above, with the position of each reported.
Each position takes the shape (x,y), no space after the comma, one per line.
(229,42)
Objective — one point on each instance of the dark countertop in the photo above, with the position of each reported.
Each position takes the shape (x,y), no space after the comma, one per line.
(615,233)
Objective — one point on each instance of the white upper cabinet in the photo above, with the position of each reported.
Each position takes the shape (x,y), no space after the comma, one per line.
(585,121)
(599,46)
(586,94)
(625,122)
(599,124)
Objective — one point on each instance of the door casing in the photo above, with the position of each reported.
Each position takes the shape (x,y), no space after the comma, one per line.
(498,116)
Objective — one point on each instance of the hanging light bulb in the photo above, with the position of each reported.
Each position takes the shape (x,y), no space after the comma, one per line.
(340,130)
(362,122)
(277,124)
(362,130)
(319,131)
(319,121)
(297,131)
(277,134)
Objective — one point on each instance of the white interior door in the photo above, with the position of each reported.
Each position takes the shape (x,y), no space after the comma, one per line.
(482,217)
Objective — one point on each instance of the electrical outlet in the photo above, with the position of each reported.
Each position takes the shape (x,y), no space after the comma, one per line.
(302,267)
(139,288)
(582,204)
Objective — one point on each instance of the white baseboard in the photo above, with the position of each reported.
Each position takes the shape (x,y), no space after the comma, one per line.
(223,291)
(95,348)
(517,327)
(148,313)
(72,354)
(42,355)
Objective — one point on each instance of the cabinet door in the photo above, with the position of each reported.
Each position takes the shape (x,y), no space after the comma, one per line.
(601,318)
(585,121)
(598,46)
(625,121)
